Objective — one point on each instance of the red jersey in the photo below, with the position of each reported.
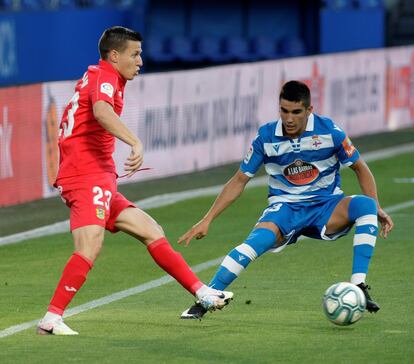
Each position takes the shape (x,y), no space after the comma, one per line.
(85,146)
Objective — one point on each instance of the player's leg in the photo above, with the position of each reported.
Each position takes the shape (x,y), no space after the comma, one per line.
(360,210)
(266,235)
(88,215)
(140,225)
(88,243)
(261,239)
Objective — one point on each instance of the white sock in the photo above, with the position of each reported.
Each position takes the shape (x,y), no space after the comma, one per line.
(358,278)
(204,290)
(50,316)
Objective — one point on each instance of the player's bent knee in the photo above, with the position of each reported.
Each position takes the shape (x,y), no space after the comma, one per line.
(152,235)
(88,241)
(261,239)
(361,205)
(161,230)
(91,249)
(268,225)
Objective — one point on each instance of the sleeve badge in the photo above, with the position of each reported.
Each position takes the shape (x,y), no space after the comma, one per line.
(348,147)
(249,154)
(107,89)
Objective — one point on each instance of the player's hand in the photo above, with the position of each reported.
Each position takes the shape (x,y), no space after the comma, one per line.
(199,231)
(135,159)
(386,223)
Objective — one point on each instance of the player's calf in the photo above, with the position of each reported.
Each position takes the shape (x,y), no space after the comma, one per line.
(258,242)
(362,211)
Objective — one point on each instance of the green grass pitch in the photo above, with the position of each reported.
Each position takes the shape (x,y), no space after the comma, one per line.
(276,316)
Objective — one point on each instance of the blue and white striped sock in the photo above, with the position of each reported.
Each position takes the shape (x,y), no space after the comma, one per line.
(366,228)
(258,242)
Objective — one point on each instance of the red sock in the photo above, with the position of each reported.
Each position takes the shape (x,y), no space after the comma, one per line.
(73,277)
(174,264)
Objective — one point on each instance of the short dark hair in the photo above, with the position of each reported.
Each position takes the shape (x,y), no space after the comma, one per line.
(116,38)
(296,91)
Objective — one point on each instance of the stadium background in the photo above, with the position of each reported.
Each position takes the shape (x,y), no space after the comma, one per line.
(191,120)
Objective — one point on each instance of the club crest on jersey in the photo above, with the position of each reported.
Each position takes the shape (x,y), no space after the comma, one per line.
(316,142)
(348,147)
(107,89)
(249,154)
(301,173)
(100,213)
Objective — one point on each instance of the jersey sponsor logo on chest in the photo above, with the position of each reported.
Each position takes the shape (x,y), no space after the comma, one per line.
(300,172)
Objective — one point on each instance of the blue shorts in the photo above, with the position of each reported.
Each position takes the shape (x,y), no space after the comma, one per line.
(303,218)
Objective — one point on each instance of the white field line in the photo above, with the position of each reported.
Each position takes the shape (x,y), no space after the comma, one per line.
(111,298)
(143,287)
(170,198)
(403,180)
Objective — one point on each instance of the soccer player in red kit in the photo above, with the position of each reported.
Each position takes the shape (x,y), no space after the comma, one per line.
(87,179)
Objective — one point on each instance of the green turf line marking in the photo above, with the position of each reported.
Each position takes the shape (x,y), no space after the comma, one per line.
(145,287)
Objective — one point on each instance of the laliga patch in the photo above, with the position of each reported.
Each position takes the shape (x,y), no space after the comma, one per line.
(249,154)
(348,147)
(107,89)
(301,173)
(100,213)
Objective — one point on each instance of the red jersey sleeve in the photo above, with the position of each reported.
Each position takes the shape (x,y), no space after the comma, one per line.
(103,88)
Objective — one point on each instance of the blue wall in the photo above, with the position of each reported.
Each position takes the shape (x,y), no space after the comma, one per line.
(166,18)
(58,45)
(349,29)
(45,45)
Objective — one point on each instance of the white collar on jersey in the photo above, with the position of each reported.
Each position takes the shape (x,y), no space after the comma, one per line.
(309,125)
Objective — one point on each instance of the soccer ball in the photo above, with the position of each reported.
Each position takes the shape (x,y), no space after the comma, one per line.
(344,303)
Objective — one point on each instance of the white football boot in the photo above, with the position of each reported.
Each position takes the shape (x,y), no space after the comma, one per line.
(55,327)
(209,302)
(215,299)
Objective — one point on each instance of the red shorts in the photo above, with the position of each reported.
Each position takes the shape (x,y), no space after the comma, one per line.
(93,200)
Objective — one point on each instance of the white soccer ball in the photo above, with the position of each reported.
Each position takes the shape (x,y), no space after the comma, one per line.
(344,303)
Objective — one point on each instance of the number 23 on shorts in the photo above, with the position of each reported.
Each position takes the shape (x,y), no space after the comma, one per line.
(101,197)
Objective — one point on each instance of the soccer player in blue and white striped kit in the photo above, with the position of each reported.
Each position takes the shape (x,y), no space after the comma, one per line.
(302,153)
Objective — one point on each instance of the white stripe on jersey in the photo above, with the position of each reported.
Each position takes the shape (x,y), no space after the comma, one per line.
(277,169)
(275,149)
(288,198)
(295,198)
(347,164)
(306,143)
(324,182)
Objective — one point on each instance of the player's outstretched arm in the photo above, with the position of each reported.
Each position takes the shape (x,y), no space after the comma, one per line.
(109,120)
(230,192)
(369,188)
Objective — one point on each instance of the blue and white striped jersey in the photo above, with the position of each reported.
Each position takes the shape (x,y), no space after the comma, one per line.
(306,168)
